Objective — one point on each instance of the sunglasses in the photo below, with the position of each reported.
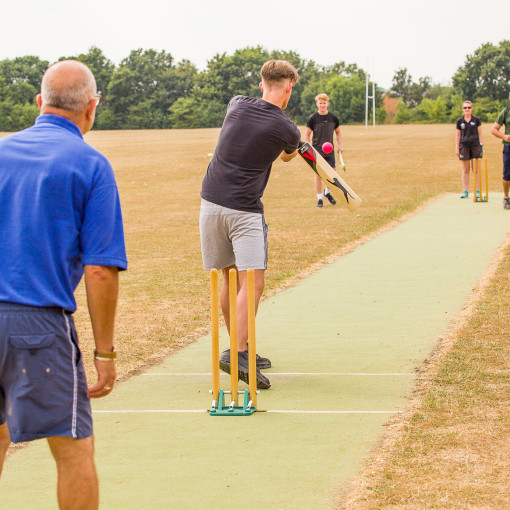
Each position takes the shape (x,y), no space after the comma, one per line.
(467,107)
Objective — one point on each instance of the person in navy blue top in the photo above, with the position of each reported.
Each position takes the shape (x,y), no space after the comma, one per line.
(60,219)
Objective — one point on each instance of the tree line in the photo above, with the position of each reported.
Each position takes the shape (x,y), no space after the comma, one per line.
(150,90)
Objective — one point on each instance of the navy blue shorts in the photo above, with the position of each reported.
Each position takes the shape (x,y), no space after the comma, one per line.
(506,162)
(43,390)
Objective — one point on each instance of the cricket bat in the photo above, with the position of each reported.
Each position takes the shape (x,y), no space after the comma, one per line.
(338,187)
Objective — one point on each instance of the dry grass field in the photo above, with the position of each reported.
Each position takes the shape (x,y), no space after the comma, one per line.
(164,294)
(164,301)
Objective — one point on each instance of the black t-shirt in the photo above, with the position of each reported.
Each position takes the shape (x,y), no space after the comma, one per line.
(253,135)
(323,127)
(469,130)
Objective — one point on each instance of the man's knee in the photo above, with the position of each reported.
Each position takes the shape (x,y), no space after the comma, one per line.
(68,450)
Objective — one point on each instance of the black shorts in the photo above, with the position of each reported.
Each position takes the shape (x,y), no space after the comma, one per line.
(467,152)
(330,158)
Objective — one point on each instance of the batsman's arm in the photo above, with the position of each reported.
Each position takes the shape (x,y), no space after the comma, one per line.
(284,156)
(102,285)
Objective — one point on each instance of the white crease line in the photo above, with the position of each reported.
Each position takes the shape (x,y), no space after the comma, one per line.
(328,412)
(348,374)
(281,411)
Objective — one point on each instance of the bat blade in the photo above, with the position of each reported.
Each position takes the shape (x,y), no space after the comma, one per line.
(343,193)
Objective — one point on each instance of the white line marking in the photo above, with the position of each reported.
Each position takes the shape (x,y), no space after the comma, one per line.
(328,412)
(347,374)
(141,411)
(282,411)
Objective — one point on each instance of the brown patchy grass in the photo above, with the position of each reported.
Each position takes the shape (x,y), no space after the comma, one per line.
(164,301)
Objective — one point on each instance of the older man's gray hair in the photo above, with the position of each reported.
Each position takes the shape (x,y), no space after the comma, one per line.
(68,85)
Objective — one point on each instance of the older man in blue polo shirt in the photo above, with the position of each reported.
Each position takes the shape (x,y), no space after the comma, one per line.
(60,219)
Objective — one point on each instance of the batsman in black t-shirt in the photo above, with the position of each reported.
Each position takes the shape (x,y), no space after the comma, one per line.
(233,231)
(323,124)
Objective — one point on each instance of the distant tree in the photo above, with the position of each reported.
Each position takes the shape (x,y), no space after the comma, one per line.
(27,69)
(20,81)
(144,87)
(228,76)
(486,73)
(14,117)
(410,92)
(195,112)
(347,95)
(402,84)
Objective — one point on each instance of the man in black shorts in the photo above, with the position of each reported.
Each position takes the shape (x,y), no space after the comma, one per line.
(233,230)
(468,143)
(504,119)
(323,124)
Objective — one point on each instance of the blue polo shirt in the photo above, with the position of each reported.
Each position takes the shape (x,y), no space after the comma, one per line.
(59,211)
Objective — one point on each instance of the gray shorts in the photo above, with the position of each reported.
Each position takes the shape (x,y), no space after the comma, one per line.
(231,237)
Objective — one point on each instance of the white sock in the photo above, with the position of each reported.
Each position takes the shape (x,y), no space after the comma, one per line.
(326,191)
(319,196)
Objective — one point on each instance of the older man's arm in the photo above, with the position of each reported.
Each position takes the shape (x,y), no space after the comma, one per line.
(102,284)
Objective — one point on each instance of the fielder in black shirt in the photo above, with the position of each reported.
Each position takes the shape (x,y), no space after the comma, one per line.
(323,124)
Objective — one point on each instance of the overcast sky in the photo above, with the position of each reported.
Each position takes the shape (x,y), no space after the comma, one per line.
(429,38)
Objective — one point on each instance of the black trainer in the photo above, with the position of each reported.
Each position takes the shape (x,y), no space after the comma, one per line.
(319,202)
(242,370)
(329,196)
(262,363)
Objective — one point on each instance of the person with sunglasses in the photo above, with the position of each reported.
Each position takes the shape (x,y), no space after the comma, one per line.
(468,143)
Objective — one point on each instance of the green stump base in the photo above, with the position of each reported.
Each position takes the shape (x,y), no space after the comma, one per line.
(222,410)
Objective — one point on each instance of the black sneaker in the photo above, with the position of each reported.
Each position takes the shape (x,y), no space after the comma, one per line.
(242,370)
(262,363)
(319,202)
(329,196)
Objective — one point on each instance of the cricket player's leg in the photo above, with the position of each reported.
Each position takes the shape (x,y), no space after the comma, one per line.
(225,295)
(5,441)
(77,483)
(242,302)
(318,185)
(465,174)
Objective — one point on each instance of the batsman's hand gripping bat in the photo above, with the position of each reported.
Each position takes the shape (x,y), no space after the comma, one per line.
(338,187)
